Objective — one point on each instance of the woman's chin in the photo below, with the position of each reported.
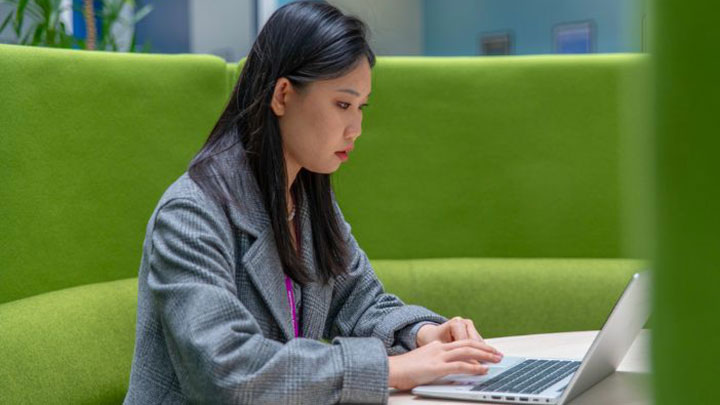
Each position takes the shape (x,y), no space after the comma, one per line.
(327,169)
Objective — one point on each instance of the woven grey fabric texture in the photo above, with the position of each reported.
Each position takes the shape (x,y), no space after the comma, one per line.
(213,321)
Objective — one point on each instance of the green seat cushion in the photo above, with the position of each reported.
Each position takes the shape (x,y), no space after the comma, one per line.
(76,345)
(71,346)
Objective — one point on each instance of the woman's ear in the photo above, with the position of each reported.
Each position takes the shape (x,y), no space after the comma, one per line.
(282,90)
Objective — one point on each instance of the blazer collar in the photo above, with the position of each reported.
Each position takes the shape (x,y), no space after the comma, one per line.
(262,261)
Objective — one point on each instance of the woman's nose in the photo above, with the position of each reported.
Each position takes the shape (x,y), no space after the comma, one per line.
(353,131)
(353,134)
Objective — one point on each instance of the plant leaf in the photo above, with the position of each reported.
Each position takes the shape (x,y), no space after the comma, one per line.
(33,10)
(18,20)
(7,20)
(24,40)
(37,36)
(132,40)
(20,13)
(142,13)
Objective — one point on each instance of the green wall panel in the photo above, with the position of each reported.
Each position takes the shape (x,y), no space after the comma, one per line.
(686,353)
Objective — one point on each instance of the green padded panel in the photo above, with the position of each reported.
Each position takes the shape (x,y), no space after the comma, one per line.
(76,345)
(686,353)
(72,346)
(232,76)
(90,140)
(87,206)
(494,157)
(507,297)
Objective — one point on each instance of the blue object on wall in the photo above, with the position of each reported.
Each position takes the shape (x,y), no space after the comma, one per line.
(452,28)
(574,37)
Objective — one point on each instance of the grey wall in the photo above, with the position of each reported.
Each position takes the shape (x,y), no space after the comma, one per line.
(167,27)
(396,26)
(226,29)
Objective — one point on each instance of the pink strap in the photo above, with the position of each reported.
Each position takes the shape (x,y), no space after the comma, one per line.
(291,300)
(288,282)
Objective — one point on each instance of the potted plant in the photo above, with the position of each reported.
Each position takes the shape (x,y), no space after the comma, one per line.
(46,28)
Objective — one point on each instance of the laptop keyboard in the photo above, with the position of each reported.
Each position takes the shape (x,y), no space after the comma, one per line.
(529,377)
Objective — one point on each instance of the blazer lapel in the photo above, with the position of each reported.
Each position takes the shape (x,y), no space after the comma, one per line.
(315,296)
(263,264)
(315,303)
(262,261)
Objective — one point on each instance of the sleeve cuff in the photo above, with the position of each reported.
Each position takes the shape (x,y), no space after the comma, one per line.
(400,318)
(366,373)
(407,336)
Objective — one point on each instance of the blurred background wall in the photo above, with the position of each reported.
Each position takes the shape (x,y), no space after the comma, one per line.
(227,28)
(458,30)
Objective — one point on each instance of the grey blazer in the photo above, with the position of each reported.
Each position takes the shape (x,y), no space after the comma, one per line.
(213,321)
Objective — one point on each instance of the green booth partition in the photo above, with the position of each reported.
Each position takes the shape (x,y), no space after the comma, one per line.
(508,190)
(685,352)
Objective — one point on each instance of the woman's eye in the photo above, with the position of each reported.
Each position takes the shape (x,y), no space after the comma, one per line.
(345,106)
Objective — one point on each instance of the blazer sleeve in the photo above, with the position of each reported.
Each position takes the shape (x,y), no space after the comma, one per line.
(216,346)
(361,307)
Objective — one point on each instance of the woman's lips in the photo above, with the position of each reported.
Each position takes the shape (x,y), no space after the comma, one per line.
(342,155)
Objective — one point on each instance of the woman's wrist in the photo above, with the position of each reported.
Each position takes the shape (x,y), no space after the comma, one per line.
(391,372)
(420,337)
(395,372)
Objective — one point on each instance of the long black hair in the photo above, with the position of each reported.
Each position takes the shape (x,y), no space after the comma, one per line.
(303,41)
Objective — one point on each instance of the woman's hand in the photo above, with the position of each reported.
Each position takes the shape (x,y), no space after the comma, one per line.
(435,360)
(456,328)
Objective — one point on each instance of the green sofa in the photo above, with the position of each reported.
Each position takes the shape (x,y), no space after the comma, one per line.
(503,189)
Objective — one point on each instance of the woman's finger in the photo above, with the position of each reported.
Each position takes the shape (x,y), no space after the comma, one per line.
(458,329)
(472,331)
(470,353)
(461,367)
(472,343)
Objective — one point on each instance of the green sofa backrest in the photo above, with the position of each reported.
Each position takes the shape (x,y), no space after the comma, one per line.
(522,156)
(89,142)
(460,157)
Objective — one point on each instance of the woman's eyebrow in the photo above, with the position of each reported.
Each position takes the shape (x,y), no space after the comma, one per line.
(351,91)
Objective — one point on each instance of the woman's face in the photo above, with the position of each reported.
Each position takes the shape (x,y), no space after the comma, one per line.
(322,119)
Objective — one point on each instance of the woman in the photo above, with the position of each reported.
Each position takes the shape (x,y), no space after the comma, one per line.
(248,261)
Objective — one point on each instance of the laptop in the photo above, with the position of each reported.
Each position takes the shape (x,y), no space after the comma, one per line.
(520,380)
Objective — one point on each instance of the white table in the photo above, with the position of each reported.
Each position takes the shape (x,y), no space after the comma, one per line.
(629,385)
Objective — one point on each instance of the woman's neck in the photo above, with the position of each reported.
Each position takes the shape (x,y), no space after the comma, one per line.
(292,170)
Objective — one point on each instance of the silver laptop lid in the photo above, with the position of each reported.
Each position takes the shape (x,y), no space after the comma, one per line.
(621,328)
